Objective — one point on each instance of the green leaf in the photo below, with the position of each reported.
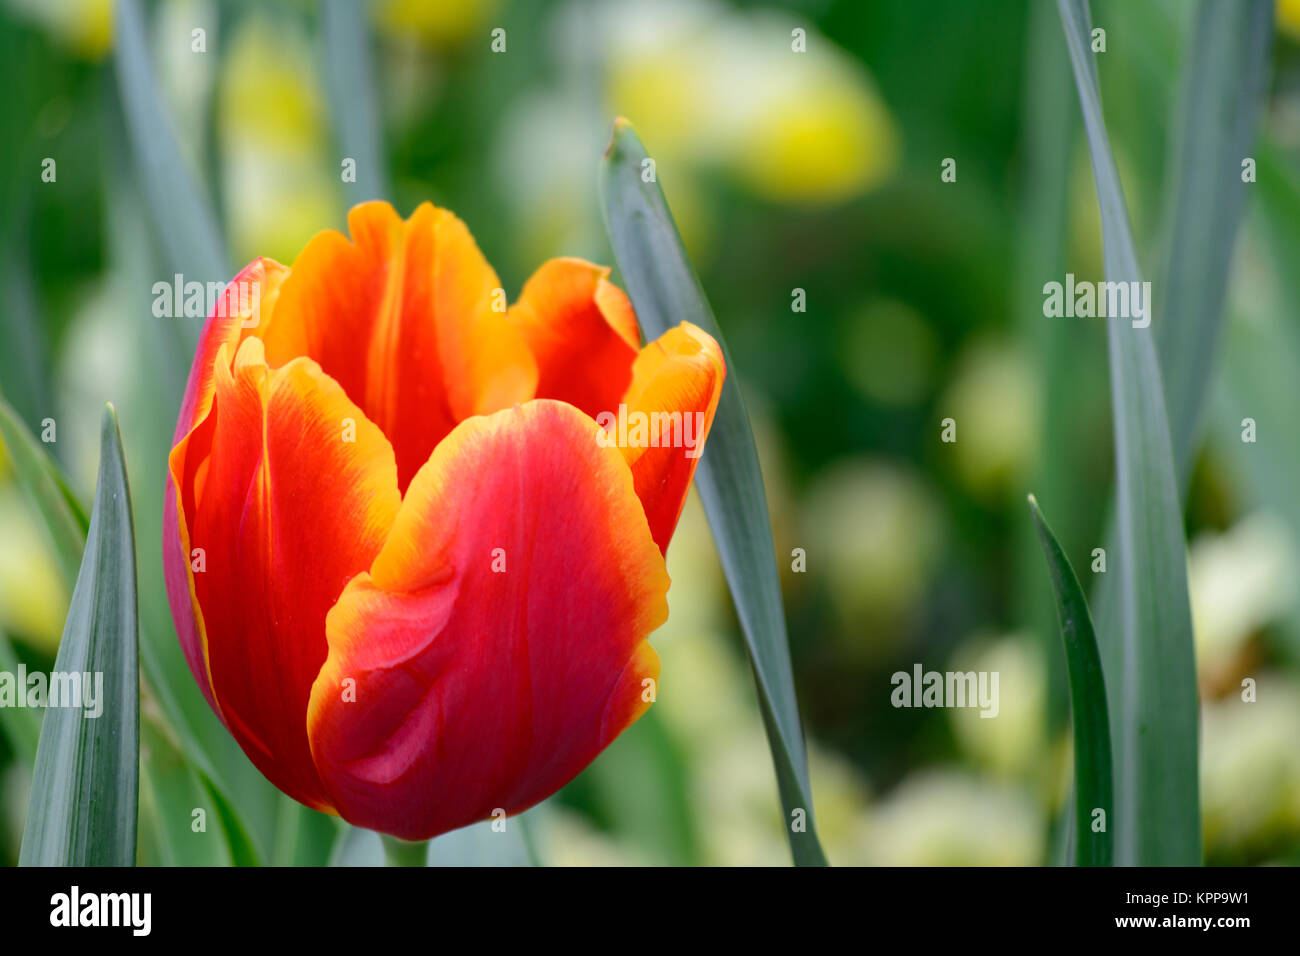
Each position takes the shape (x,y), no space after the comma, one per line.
(1043,226)
(1150,662)
(1224,82)
(181,213)
(41,480)
(1092,765)
(640,789)
(314,837)
(172,790)
(665,291)
(303,837)
(206,742)
(86,785)
(1224,76)
(243,851)
(352,96)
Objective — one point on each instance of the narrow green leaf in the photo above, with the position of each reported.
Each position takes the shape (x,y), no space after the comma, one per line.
(160,347)
(1046,149)
(1224,76)
(172,791)
(303,837)
(640,789)
(243,851)
(314,838)
(1224,79)
(1092,766)
(1149,660)
(86,786)
(181,213)
(665,291)
(41,480)
(352,95)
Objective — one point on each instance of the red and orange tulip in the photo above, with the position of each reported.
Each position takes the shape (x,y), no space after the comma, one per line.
(411,568)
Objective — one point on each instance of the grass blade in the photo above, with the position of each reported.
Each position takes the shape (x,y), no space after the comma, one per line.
(85,789)
(243,852)
(315,835)
(352,95)
(181,214)
(41,480)
(1092,763)
(1150,662)
(172,832)
(161,349)
(1224,82)
(665,291)
(1225,74)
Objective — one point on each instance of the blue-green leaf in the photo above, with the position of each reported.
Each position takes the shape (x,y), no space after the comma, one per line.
(202,737)
(86,785)
(303,837)
(1224,76)
(243,851)
(178,824)
(665,291)
(351,91)
(1150,662)
(182,215)
(1092,762)
(1223,85)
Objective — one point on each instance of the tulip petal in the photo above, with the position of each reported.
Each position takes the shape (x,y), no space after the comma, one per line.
(402,317)
(498,642)
(676,382)
(289,491)
(582,332)
(239,312)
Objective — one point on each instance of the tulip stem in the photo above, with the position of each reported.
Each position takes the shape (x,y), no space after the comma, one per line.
(404,852)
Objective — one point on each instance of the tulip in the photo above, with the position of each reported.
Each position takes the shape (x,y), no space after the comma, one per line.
(412,567)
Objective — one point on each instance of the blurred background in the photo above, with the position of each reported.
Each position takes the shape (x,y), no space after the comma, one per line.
(808,177)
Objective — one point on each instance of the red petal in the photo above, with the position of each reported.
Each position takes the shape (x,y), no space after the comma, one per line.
(676,382)
(475,690)
(286,508)
(402,317)
(239,313)
(582,332)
